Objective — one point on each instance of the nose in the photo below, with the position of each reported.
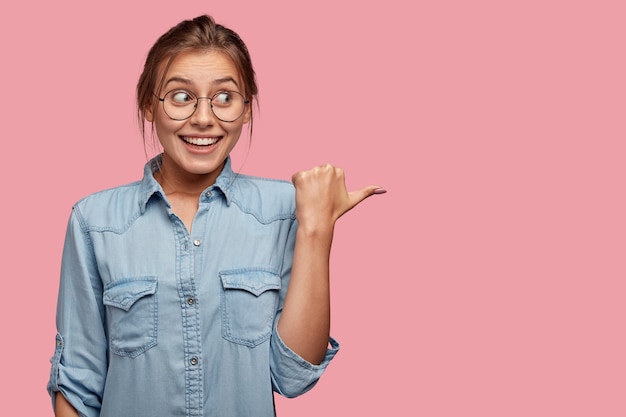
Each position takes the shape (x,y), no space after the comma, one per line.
(203,116)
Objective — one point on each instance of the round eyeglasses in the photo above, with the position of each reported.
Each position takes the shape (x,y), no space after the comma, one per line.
(227,106)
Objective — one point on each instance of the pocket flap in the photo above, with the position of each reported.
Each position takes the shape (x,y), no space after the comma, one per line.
(123,294)
(253,281)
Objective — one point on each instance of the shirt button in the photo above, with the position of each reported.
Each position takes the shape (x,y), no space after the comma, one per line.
(185,246)
(197,242)
(190,301)
(207,194)
(193,361)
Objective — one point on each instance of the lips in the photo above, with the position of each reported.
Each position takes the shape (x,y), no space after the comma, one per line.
(200,141)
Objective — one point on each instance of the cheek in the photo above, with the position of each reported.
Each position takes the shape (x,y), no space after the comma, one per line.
(165,129)
(164,123)
(235,131)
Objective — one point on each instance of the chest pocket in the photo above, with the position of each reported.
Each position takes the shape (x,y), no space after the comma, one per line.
(131,308)
(248,304)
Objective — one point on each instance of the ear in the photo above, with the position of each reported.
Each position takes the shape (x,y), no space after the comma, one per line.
(248,113)
(149,115)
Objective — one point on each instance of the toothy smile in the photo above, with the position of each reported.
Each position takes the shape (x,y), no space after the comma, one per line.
(200,141)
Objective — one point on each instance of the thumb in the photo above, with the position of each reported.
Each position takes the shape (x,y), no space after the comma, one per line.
(357,196)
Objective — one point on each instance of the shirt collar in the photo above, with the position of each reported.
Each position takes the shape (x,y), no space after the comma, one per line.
(150,186)
(225,180)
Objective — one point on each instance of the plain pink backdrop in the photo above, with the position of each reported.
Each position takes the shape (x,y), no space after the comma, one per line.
(488,281)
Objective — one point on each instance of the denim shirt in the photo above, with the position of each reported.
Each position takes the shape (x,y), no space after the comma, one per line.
(155,321)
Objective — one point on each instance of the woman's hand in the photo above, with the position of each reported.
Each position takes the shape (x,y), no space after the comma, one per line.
(322,197)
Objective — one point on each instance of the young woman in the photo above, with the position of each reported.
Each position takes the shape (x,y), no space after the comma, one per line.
(197,291)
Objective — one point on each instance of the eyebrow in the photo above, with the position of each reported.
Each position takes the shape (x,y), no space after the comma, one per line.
(186,81)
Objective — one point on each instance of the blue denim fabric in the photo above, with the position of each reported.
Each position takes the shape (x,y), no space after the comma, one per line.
(154,321)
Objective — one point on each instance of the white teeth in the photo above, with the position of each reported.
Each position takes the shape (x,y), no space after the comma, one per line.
(200,141)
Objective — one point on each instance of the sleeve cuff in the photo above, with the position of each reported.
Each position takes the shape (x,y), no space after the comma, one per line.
(291,374)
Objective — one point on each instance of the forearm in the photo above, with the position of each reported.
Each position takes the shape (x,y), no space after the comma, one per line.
(304,324)
(63,408)
(321,199)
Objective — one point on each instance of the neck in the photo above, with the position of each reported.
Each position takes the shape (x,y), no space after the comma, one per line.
(175,180)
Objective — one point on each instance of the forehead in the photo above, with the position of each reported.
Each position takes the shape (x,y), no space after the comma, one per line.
(203,68)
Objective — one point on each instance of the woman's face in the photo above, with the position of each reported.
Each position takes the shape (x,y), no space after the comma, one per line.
(199,145)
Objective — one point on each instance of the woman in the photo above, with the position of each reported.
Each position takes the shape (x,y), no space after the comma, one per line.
(197,291)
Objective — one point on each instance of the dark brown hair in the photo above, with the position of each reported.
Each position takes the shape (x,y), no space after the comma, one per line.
(195,35)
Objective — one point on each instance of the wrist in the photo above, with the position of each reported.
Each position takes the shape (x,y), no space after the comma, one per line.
(317,230)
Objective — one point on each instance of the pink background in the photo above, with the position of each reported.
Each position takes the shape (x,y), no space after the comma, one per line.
(488,281)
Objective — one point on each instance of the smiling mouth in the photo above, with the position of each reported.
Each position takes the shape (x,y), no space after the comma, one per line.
(200,141)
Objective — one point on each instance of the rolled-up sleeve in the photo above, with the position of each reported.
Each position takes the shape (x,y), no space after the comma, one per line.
(291,374)
(79,362)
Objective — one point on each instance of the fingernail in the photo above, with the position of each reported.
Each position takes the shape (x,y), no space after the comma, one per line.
(380,191)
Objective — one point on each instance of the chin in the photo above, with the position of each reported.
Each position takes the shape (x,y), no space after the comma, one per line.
(205,169)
